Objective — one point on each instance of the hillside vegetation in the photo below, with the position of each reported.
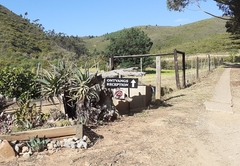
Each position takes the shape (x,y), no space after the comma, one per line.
(19,35)
(25,42)
(206,36)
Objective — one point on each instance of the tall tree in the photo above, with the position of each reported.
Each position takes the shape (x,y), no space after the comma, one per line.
(129,42)
(230,8)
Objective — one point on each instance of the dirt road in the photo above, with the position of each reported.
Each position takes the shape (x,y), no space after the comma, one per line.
(181,133)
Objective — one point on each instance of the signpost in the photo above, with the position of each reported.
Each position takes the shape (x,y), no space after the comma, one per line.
(121,83)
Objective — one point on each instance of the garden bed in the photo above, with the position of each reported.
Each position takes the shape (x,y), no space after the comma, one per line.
(55,132)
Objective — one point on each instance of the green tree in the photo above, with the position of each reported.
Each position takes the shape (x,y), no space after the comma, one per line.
(129,42)
(230,8)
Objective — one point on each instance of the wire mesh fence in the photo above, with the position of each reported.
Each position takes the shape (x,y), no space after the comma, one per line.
(196,68)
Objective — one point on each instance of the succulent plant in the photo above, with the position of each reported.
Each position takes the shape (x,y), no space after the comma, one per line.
(6,120)
(37,144)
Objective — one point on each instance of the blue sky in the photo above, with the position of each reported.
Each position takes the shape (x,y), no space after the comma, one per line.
(98,17)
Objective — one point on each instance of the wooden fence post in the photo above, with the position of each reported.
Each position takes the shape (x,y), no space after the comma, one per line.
(176,69)
(184,70)
(141,64)
(215,62)
(197,68)
(158,78)
(209,63)
(111,62)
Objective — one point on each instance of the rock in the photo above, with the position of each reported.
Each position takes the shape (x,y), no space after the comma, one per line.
(17,148)
(62,142)
(58,144)
(66,145)
(85,138)
(26,155)
(25,149)
(14,142)
(75,138)
(21,144)
(82,144)
(30,151)
(73,145)
(50,146)
(6,151)
(71,121)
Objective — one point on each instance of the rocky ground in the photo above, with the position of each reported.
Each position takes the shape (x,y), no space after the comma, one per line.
(180,132)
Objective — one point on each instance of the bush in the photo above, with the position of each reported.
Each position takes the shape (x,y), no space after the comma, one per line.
(18,83)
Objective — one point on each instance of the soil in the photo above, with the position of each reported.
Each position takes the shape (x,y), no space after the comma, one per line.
(179,132)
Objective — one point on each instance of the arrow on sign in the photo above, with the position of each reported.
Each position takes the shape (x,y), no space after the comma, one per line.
(133,82)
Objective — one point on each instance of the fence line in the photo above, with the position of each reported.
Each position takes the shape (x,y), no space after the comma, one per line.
(205,66)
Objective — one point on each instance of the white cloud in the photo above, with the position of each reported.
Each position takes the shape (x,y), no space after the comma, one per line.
(181,20)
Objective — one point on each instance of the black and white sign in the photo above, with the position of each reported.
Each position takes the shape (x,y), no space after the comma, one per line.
(121,82)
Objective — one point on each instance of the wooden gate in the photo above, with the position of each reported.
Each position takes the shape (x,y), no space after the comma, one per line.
(158,68)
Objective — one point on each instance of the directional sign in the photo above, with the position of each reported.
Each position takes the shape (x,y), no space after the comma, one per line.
(121,82)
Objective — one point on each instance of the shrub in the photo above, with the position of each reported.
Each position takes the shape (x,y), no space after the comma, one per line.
(18,83)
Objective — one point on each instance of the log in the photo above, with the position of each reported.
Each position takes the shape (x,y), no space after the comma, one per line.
(55,132)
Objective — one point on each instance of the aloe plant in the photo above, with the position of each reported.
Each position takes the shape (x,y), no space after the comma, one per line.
(54,81)
(83,85)
(69,84)
(37,144)
(78,90)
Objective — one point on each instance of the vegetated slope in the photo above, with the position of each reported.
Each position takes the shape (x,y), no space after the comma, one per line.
(25,43)
(19,35)
(205,36)
(186,37)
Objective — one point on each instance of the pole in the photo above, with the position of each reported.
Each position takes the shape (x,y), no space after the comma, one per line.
(111,63)
(209,63)
(176,69)
(158,78)
(197,69)
(184,70)
(129,109)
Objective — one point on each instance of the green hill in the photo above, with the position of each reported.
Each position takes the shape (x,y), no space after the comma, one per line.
(19,35)
(26,43)
(206,36)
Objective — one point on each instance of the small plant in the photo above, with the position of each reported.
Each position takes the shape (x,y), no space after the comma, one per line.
(37,144)
(27,125)
(63,122)
(28,115)
(56,114)
(6,121)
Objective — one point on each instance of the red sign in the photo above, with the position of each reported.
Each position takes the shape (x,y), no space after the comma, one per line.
(118,93)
